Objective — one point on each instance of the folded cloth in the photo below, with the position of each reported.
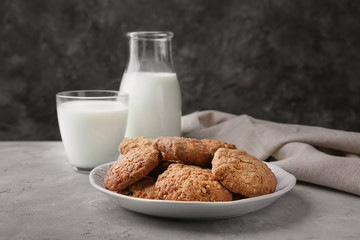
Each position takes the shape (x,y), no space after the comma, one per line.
(313,154)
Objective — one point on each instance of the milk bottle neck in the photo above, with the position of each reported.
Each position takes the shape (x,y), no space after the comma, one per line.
(150,52)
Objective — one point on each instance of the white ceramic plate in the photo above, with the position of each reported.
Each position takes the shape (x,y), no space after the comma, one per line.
(194,210)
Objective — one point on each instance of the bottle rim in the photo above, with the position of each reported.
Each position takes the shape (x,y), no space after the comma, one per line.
(150,35)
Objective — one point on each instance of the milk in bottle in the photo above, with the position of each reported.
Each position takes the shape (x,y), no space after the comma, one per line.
(153,87)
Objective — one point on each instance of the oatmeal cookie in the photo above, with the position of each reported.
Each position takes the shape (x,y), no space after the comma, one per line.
(243,173)
(137,142)
(186,150)
(144,188)
(213,145)
(190,183)
(132,167)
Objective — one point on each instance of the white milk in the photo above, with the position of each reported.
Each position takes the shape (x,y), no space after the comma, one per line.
(154,104)
(92,131)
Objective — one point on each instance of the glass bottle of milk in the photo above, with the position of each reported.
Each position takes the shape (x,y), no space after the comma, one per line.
(152,85)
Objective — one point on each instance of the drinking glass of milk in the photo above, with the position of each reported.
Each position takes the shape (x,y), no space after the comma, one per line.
(152,85)
(92,125)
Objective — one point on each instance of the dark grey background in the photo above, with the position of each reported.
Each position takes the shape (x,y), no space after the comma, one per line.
(280,60)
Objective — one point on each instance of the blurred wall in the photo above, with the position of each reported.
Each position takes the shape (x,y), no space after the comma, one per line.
(287,61)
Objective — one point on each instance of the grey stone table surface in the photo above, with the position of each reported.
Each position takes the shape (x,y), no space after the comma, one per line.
(41,197)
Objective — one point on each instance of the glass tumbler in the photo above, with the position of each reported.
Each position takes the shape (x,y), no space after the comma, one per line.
(92,124)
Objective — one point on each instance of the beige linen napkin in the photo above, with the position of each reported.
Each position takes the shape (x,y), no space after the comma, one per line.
(313,154)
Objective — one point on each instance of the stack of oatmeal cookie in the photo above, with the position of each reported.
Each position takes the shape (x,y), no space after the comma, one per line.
(187,169)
